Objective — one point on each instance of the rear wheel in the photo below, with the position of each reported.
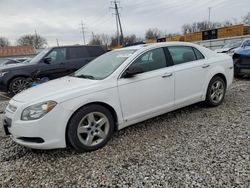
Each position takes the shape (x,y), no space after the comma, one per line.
(19,84)
(90,128)
(216,91)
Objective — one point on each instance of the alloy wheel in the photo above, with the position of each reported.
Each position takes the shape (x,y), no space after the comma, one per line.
(20,85)
(93,129)
(217,91)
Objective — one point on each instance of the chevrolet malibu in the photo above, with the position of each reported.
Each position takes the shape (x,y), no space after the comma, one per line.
(116,90)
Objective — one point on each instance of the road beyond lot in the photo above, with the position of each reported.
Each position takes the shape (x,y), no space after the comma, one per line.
(194,147)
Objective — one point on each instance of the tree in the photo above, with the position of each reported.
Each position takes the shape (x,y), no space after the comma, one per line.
(105,40)
(204,25)
(35,40)
(153,33)
(96,40)
(4,42)
(131,39)
(100,39)
(246,19)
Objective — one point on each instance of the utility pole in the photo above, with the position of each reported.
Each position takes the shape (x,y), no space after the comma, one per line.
(117,29)
(36,40)
(209,17)
(118,22)
(83,32)
(57,42)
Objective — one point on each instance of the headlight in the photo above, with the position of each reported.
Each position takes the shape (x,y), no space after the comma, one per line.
(11,108)
(231,52)
(37,111)
(3,73)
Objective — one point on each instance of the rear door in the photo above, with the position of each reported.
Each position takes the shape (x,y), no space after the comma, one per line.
(95,51)
(191,68)
(77,57)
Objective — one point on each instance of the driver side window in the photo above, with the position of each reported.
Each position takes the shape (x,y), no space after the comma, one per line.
(151,60)
(246,43)
(57,55)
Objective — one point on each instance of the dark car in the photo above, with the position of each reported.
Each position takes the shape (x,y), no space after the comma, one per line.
(242,62)
(51,63)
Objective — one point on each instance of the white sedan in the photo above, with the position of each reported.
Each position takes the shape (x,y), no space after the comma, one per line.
(118,89)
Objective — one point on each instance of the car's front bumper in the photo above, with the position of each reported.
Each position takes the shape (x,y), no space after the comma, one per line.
(3,85)
(45,133)
(241,69)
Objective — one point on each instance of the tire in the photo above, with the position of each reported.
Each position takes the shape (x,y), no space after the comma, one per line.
(84,133)
(216,91)
(19,84)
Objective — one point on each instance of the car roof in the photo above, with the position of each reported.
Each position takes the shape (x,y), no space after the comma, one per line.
(155,45)
(68,46)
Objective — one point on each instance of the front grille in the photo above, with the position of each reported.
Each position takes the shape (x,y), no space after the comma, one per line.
(7,122)
(245,61)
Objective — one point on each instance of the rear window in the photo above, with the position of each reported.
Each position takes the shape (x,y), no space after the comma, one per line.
(95,51)
(198,54)
(78,53)
(182,54)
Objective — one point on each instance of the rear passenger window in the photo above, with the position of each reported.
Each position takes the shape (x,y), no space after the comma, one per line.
(95,51)
(77,53)
(198,54)
(182,54)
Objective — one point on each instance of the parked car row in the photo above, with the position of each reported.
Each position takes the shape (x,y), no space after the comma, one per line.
(240,52)
(115,90)
(233,46)
(51,63)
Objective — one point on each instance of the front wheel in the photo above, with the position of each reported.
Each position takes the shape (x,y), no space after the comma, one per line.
(216,91)
(90,128)
(19,84)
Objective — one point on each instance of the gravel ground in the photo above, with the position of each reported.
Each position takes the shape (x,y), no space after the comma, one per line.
(192,147)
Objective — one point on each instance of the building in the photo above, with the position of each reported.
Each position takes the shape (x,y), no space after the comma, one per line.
(17,51)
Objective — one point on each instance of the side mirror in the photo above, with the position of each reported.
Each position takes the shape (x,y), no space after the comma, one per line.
(132,71)
(47,60)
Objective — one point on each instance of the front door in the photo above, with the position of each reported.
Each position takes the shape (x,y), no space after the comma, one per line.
(149,93)
(57,67)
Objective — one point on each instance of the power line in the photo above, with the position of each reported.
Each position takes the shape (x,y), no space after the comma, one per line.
(83,32)
(118,22)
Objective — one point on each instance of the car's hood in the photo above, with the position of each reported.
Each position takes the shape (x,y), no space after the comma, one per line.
(222,50)
(244,52)
(59,90)
(13,66)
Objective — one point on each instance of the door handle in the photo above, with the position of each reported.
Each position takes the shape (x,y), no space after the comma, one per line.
(205,66)
(167,75)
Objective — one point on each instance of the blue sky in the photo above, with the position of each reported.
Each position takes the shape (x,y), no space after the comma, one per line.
(61,18)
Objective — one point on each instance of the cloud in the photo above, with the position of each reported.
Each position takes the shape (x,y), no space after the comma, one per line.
(60,19)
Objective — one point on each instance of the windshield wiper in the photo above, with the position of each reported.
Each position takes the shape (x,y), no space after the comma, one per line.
(85,76)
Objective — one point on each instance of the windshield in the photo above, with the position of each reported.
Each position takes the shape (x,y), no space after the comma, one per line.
(233,44)
(39,56)
(104,65)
